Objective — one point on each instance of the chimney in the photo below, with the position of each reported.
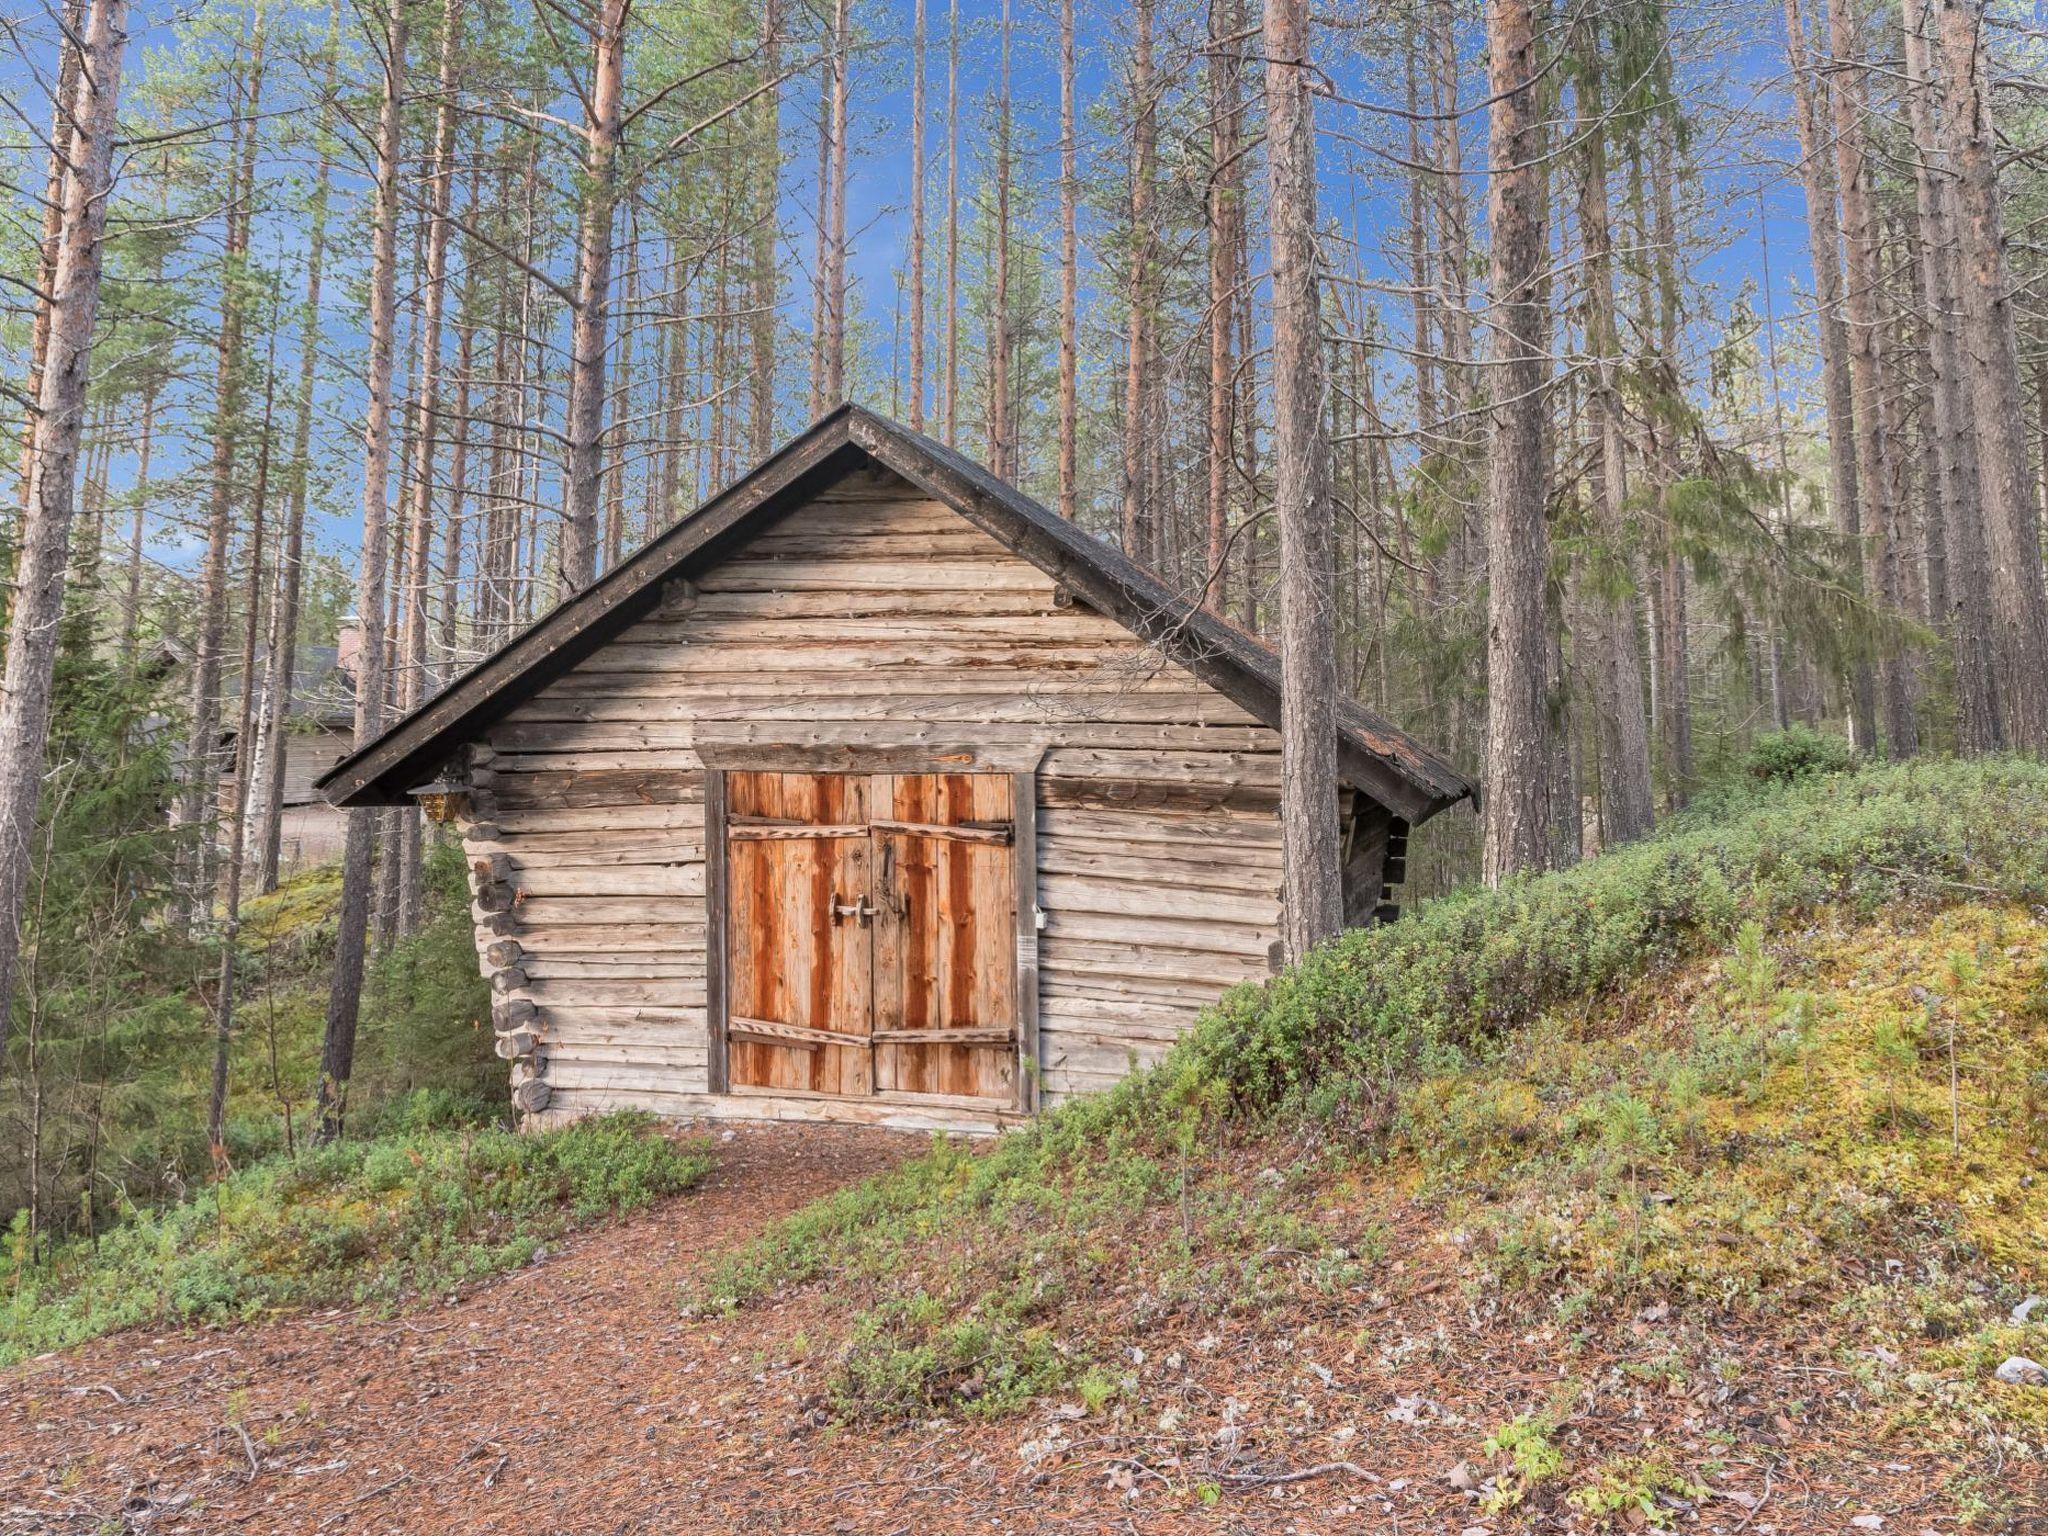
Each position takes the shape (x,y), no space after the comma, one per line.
(348,644)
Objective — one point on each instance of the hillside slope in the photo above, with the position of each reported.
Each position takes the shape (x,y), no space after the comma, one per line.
(1623,1189)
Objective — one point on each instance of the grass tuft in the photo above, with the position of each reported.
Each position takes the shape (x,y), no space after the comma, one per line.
(356,1221)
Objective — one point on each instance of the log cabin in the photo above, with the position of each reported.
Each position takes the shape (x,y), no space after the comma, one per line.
(873,791)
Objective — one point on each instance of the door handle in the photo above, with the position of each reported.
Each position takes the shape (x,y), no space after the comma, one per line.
(860,908)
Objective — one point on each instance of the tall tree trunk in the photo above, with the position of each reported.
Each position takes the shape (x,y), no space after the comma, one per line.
(202,750)
(1313,908)
(821,261)
(62,128)
(1866,359)
(344,997)
(281,650)
(1673,596)
(1139,532)
(766,295)
(917,229)
(1961,598)
(238,810)
(1990,362)
(71,306)
(835,249)
(952,223)
(1627,807)
(1825,240)
(1001,429)
(1070,278)
(1517,741)
(590,322)
(1420,259)
(1225,198)
(426,431)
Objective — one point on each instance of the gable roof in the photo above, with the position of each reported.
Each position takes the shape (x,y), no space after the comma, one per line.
(1393,768)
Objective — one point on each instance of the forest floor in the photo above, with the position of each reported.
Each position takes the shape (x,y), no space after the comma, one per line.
(577,1396)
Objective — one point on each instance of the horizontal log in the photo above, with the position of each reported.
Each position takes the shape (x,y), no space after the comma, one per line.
(568,992)
(532,1096)
(514,1013)
(513,1043)
(621,784)
(657,880)
(567,937)
(831,575)
(1077,893)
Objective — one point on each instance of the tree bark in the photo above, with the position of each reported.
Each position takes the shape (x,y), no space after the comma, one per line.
(766,297)
(1824,238)
(835,249)
(1139,533)
(1001,428)
(590,322)
(1313,908)
(1959,599)
(281,658)
(917,229)
(62,127)
(426,431)
(1990,361)
(202,749)
(1224,209)
(1517,741)
(344,997)
(1866,361)
(953,223)
(1627,805)
(238,823)
(1070,278)
(71,305)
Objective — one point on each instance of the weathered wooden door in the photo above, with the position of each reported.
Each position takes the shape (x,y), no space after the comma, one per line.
(872,933)
(799,983)
(945,934)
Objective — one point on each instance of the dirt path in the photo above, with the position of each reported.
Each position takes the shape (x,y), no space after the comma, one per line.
(569,1396)
(574,1397)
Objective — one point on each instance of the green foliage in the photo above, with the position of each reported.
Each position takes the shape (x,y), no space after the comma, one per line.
(373,1220)
(1797,752)
(104,1011)
(1631,1492)
(427,1009)
(1533,1456)
(1375,1007)
(116,1046)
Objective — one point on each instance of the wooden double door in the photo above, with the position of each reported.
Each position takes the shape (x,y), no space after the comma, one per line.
(871,933)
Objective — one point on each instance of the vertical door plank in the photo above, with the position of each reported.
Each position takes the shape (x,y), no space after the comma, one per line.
(947,956)
(799,957)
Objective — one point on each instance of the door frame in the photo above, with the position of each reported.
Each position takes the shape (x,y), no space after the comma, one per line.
(717,893)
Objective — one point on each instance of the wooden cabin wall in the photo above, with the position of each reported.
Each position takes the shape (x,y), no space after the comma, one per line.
(872,617)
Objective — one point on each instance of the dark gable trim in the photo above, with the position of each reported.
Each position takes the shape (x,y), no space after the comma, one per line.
(1373,756)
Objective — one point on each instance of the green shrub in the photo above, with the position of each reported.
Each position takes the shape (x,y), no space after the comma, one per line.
(1375,1007)
(1797,752)
(371,1220)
